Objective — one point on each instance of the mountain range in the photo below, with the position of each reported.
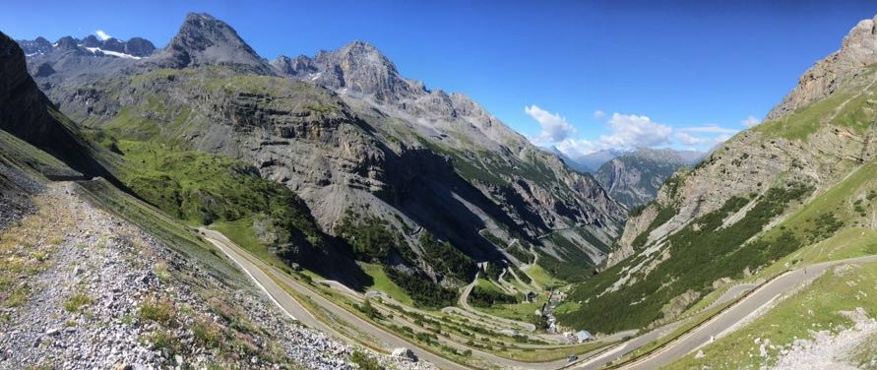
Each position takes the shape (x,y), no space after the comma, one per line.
(338,164)
(357,149)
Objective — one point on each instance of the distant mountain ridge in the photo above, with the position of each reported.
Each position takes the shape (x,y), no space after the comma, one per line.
(136,47)
(594,160)
(633,178)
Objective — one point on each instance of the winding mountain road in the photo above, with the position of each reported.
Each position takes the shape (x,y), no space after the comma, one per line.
(464,304)
(264,276)
(254,269)
(727,321)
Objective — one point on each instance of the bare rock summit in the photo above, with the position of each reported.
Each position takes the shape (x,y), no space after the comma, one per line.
(858,50)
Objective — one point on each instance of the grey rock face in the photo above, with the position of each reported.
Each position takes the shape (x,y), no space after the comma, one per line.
(368,81)
(300,66)
(357,68)
(859,49)
(634,178)
(91,42)
(40,45)
(140,47)
(204,40)
(68,43)
(113,44)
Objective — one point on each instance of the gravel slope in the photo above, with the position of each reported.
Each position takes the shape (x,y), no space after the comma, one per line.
(101,293)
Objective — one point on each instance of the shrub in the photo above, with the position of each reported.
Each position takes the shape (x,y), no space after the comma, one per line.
(160,311)
(77,301)
(364,362)
(481,297)
(702,252)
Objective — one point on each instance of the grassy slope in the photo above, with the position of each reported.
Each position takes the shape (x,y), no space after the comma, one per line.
(384,284)
(17,153)
(542,277)
(849,242)
(727,254)
(203,188)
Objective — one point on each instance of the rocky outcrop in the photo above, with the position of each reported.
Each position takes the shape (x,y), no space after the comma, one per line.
(859,49)
(204,40)
(361,68)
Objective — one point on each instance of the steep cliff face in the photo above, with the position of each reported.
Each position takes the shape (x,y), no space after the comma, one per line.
(27,114)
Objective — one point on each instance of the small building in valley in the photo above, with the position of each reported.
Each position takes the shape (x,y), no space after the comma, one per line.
(584,336)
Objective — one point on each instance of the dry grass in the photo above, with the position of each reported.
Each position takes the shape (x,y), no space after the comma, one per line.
(161,311)
(76,301)
(27,245)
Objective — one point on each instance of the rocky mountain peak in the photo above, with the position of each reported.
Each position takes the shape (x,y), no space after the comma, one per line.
(858,49)
(359,67)
(91,42)
(67,43)
(139,46)
(201,31)
(298,66)
(135,48)
(363,54)
(204,40)
(40,45)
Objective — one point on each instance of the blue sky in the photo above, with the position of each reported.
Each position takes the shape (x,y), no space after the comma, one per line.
(581,75)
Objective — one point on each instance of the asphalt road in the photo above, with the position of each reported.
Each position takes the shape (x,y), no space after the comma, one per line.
(464,304)
(720,325)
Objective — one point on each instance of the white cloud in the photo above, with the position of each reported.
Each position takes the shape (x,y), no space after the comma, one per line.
(577,148)
(554,127)
(102,35)
(632,131)
(750,121)
(628,131)
(691,140)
